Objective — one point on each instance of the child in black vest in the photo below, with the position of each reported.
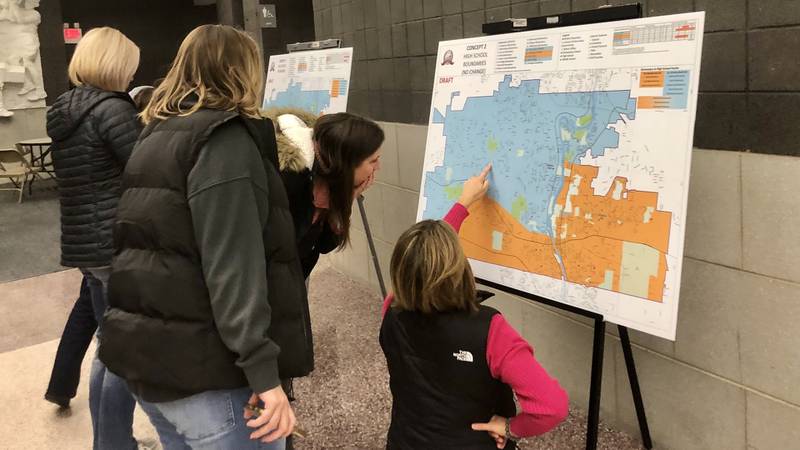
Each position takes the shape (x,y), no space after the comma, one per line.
(454,363)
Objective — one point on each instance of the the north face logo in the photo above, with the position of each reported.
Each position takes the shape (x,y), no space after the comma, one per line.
(463,355)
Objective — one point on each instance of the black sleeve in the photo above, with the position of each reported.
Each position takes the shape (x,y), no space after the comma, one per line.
(328,240)
(119,127)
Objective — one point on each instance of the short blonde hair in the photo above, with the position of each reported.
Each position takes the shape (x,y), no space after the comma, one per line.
(220,66)
(105,59)
(430,272)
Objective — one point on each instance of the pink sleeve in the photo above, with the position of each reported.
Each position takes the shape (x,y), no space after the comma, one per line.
(544,403)
(456,216)
(386,304)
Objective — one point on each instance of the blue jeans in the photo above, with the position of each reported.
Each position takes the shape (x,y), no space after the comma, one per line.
(111,404)
(211,420)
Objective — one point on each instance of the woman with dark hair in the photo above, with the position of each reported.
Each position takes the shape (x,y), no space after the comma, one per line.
(326,163)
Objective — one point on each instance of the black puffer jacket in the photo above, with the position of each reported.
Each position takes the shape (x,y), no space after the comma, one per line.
(93,133)
(313,238)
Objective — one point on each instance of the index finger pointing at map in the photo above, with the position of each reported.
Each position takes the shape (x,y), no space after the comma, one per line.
(486,170)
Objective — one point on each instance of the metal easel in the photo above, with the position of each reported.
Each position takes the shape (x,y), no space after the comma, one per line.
(603,14)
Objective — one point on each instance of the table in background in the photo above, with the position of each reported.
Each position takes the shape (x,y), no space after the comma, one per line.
(39,149)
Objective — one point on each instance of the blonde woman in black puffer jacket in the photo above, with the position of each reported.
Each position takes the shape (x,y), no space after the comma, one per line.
(94,128)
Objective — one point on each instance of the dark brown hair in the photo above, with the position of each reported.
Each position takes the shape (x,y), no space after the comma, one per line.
(343,142)
(430,272)
(143,97)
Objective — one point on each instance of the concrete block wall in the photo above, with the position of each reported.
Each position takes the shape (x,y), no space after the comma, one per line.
(749,88)
(730,380)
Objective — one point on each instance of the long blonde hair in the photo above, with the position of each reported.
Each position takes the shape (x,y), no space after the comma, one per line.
(430,272)
(105,59)
(219,66)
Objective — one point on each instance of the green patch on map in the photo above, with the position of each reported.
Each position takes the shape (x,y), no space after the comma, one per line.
(453,191)
(519,206)
(491,144)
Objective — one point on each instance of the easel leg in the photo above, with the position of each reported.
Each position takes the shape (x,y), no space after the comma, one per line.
(634,380)
(375,261)
(596,385)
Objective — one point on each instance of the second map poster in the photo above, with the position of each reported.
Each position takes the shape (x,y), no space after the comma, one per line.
(317,81)
(589,130)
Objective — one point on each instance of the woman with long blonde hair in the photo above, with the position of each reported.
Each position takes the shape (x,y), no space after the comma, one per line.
(94,128)
(208,309)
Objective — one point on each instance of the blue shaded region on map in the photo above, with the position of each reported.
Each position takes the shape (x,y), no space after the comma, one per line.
(294,96)
(527,136)
(437,116)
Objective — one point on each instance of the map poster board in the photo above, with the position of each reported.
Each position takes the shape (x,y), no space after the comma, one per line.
(589,130)
(317,81)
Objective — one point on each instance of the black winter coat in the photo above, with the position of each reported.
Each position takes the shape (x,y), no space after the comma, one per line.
(93,133)
(313,239)
(159,332)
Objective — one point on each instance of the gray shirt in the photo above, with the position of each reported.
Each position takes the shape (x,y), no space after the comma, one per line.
(227,193)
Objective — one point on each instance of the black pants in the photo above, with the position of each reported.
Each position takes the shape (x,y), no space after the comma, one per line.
(75,340)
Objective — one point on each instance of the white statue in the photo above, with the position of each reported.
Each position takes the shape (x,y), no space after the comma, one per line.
(19,22)
(4,9)
(3,111)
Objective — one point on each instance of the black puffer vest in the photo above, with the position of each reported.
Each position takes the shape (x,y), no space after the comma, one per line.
(159,333)
(93,132)
(440,381)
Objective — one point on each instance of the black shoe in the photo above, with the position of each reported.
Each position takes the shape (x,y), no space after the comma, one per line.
(62,402)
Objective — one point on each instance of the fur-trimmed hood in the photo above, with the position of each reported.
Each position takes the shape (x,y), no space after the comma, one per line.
(293,132)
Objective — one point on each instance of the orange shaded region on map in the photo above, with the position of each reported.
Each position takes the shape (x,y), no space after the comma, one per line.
(617,241)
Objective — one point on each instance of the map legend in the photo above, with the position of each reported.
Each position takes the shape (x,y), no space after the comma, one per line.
(507,54)
(338,88)
(674,85)
(651,79)
(538,54)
